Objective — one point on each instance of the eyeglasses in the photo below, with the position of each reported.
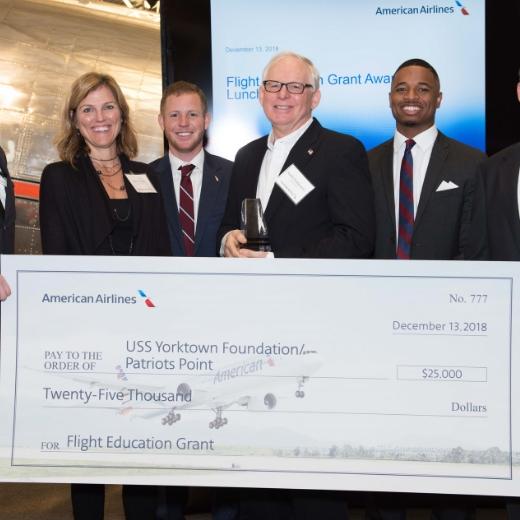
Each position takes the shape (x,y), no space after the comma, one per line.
(292,87)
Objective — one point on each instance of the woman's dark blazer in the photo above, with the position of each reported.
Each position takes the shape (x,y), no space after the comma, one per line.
(75,217)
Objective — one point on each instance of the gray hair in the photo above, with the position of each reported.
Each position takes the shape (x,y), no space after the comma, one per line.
(306,61)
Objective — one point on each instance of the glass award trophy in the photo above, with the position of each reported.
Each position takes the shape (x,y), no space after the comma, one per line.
(253,226)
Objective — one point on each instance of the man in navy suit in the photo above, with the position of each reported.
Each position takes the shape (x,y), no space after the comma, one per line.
(184,119)
(445,193)
(500,175)
(7,218)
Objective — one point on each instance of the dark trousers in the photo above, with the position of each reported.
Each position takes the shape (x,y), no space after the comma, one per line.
(88,502)
(176,498)
(513,509)
(224,503)
(284,504)
(392,506)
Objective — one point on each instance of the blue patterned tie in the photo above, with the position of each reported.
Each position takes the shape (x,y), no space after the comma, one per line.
(406,216)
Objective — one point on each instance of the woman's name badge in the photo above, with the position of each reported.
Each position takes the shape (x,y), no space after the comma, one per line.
(140,182)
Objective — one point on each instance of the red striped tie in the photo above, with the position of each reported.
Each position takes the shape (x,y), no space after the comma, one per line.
(406,210)
(186,211)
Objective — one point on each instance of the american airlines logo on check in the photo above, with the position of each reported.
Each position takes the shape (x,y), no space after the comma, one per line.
(148,302)
(97,298)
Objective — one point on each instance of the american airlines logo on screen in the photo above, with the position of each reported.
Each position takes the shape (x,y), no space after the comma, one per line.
(95,298)
(421,10)
(148,302)
(463,10)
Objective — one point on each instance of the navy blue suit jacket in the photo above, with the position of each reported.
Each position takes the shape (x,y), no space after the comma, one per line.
(499,176)
(213,195)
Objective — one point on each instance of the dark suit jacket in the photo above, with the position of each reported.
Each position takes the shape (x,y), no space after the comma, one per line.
(335,220)
(443,219)
(7,215)
(213,195)
(75,216)
(499,176)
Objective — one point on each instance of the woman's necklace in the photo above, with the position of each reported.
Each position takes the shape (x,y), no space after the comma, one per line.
(114,252)
(111,174)
(103,160)
(107,170)
(122,187)
(126,217)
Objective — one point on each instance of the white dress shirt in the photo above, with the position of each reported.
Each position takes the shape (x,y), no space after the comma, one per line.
(3,186)
(518,192)
(275,156)
(421,153)
(196,179)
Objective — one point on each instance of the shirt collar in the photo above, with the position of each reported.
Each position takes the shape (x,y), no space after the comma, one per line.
(289,139)
(424,140)
(197,161)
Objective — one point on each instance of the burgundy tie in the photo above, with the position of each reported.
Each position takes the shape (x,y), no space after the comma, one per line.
(406,213)
(186,211)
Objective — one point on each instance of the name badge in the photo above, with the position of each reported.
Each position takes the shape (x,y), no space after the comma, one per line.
(140,182)
(294,184)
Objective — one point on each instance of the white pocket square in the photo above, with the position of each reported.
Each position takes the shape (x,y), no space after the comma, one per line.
(444,186)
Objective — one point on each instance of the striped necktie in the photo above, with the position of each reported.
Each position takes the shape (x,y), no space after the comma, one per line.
(186,211)
(406,212)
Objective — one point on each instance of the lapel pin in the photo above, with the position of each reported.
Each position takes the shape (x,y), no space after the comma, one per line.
(216,178)
(310,151)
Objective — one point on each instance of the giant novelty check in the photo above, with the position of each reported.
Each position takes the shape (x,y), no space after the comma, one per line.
(286,373)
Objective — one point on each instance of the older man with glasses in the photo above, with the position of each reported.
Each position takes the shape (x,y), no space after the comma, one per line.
(315,187)
(313,183)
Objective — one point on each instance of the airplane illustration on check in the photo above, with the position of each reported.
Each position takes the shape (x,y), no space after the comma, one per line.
(241,383)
